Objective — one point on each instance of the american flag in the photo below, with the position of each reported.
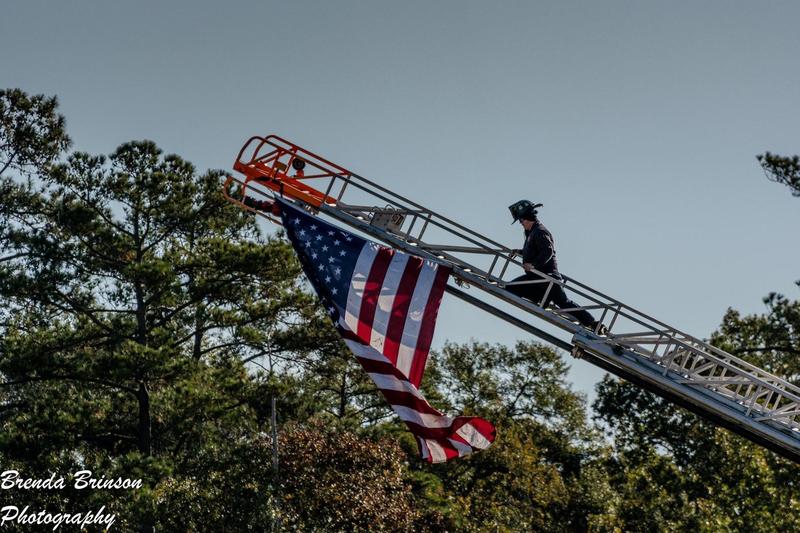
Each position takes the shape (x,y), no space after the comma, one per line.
(384,304)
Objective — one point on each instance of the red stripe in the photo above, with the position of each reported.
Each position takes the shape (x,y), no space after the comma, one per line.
(484,427)
(428,433)
(402,301)
(372,290)
(426,443)
(406,399)
(449,450)
(450,432)
(347,334)
(381,367)
(428,325)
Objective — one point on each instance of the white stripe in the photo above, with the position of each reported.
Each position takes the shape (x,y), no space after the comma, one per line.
(388,382)
(423,444)
(365,352)
(383,311)
(416,311)
(428,420)
(356,292)
(463,449)
(473,436)
(437,452)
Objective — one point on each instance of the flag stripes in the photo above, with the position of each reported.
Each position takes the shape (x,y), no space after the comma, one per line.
(384,304)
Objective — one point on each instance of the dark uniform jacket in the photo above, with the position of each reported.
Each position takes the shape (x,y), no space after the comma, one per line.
(540,250)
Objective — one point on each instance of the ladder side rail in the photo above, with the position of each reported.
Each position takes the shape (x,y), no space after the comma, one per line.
(711,347)
(731,364)
(750,399)
(290,146)
(756,370)
(247,145)
(728,362)
(779,437)
(440,221)
(642,318)
(443,220)
(433,220)
(725,356)
(711,370)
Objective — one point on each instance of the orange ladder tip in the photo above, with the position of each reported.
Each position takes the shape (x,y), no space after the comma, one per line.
(269,161)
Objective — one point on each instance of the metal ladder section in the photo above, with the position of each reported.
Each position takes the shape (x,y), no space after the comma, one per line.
(684,369)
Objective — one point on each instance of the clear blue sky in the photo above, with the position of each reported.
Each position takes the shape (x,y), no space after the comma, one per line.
(635,123)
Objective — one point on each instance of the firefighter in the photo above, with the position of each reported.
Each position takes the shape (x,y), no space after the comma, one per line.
(539,254)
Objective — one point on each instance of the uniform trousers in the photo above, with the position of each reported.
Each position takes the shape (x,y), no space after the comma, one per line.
(535,291)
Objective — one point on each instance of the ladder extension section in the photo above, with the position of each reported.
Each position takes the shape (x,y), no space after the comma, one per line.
(684,369)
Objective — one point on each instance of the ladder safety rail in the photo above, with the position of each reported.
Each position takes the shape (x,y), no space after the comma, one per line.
(680,367)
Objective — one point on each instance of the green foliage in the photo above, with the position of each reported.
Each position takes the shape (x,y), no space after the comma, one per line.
(133,297)
(505,383)
(32,134)
(334,480)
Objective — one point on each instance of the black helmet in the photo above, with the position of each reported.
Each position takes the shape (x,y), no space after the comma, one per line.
(523,210)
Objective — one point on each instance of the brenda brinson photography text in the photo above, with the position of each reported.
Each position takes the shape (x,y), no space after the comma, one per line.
(80,480)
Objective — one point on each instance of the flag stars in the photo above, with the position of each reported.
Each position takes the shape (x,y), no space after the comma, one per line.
(331,233)
(313,227)
(337,271)
(337,242)
(321,267)
(324,248)
(314,255)
(327,279)
(319,237)
(331,259)
(334,291)
(302,233)
(342,253)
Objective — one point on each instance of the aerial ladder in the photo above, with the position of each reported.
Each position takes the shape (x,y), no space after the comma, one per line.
(683,369)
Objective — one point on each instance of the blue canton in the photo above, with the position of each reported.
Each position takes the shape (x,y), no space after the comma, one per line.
(328,256)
